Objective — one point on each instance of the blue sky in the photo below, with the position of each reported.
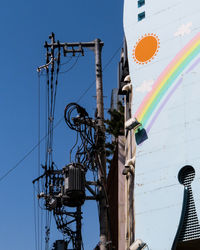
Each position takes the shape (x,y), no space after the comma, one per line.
(25,25)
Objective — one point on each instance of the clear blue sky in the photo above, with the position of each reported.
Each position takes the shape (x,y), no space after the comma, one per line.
(25,25)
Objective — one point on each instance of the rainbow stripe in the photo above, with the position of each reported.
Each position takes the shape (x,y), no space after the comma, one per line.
(167,79)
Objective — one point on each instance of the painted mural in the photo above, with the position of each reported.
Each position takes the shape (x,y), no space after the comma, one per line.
(167,82)
(163,40)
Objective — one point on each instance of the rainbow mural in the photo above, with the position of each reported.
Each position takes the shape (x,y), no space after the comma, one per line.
(157,98)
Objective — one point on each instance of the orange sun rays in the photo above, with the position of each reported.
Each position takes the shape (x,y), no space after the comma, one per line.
(146,48)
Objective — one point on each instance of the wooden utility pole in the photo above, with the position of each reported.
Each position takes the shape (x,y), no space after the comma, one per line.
(102,168)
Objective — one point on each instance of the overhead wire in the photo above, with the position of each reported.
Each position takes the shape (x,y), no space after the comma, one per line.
(34,216)
(47,227)
(38,225)
(37,221)
(51,93)
(49,134)
(38,127)
(38,184)
(73,65)
(58,122)
(47,111)
(104,68)
(51,100)
(41,228)
(70,154)
(56,81)
(50,115)
(74,123)
(68,61)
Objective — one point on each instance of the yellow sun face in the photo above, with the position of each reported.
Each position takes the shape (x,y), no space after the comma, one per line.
(146,48)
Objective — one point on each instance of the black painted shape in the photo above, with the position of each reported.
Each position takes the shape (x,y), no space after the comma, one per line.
(141,136)
(141,3)
(189,227)
(141,16)
(185,199)
(186,175)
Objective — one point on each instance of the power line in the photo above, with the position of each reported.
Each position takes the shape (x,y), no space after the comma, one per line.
(59,121)
(35,224)
(70,68)
(61,64)
(27,154)
(104,68)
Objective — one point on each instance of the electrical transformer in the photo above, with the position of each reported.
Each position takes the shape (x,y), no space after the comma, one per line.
(74,185)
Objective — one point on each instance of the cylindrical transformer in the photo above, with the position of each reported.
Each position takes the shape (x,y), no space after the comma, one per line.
(74,185)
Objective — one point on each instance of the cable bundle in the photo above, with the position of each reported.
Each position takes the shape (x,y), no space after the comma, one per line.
(78,119)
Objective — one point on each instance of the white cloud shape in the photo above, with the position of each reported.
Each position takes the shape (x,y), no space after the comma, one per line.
(146,86)
(184,29)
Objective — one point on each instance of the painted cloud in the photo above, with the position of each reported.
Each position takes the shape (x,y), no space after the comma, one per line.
(146,86)
(184,29)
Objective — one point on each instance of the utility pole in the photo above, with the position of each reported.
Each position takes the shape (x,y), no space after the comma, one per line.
(102,172)
(77,48)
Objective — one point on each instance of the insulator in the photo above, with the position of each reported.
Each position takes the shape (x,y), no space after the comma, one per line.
(52,203)
(74,185)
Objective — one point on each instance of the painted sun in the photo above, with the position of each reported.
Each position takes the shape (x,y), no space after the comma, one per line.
(146,48)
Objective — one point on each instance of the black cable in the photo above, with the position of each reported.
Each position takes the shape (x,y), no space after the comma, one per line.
(34,216)
(38,220)
(104,68)
(50,126)
(70,154)
(112,57)
(56,82)
(86,127)
(27,154)
(59,121)
(38,225)
(51,107)
(61,64)
(38,127)
(41,227)
(47,111)
(70,68)
(47,227)
(85,134)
